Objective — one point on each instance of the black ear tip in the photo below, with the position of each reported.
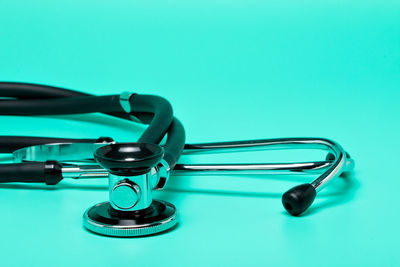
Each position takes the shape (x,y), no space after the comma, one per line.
(299,198)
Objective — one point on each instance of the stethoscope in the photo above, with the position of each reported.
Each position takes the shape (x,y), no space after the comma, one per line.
(135,169)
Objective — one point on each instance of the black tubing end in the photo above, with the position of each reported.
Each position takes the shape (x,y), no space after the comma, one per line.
(299,198)
(52,172)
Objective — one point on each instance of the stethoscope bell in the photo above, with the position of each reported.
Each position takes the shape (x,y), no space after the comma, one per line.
(131,210)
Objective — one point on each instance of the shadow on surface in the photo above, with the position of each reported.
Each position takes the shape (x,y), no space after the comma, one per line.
(225,193)
(343,194)
(340,191)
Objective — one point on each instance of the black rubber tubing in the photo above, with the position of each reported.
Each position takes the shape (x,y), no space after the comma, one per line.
(175,143)
(39,91)
(48,172)
(35,91)
(64,101)
(22,172)
(154,133)
(61,106)
(33,172)
(142,106)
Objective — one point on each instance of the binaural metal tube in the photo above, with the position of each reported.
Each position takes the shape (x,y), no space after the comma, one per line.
(256,145)
(329,168)
(299,198)
(76,171)
(254,168)
(334,169)
(295,168)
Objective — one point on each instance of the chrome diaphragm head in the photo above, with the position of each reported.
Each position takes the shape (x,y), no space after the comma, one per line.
(104,220)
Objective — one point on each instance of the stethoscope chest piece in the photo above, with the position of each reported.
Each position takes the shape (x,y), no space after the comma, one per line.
(103,219)
(131,210)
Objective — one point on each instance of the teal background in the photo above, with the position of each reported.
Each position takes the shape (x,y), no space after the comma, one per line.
(232,70)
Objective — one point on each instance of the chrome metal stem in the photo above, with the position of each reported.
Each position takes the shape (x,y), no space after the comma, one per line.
(258,145)
(300,168)
(256,169)
(76,171)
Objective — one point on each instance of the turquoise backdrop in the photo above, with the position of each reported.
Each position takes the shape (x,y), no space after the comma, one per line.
(232,70)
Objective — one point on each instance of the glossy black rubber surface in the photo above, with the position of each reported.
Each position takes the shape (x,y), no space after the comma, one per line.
(175,143)
(48,172)
(299,198)
(129,158)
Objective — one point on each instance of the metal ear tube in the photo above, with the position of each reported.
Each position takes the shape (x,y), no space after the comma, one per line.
(295,200)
